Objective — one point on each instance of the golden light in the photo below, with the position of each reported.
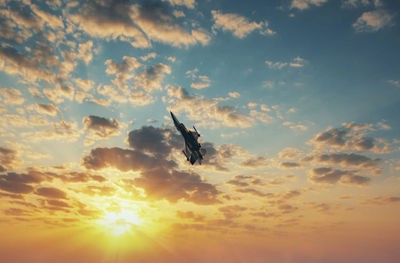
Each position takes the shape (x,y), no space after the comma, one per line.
(118,223)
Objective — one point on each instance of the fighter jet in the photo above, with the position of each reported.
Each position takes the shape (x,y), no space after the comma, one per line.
(193,150)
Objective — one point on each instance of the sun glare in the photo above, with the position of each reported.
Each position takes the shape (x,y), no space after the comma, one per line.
(118,223)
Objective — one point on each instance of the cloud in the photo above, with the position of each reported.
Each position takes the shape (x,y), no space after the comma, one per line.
(11,96)
(190,215)
(19,183)
(100,127)
(51,192)
(187,3)
(232,211)
(252,191)
(151,78)
(150,140)
(394,83)
(148,56)
(255,162)
(351,137)
(64,130)
(8,158)
(330,176)
(84,84)
(234,94)
(305,4)
(123,71)
(373,21)
(296,62)
(361,3)
(382,200)
(239,25)
(48,109)
(290,165)
(199,108)
(75,177)
(345,160)
(289,153)
(138,24)
(158,175)
(17,63)
(145,82)
(199,85)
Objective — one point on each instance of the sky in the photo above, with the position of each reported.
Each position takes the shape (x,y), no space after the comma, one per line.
(297,103)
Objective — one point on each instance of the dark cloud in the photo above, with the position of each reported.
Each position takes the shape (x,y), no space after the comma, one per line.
(189,215)
(8,158)
(237,182)
(124,160)
(174,185)
(22,64)
(286,208)
(75,177)
(19,183)
(58,203)
(351,137)
(255,162)
(253,191)
(345,160)
(100,126)
(16,212)
(382,200)
(150,139)
(290,165)
(245,180)
(48,109)
(159,177)
(232,211)
(332,136)
(51,192)
(213,158)
(330,176)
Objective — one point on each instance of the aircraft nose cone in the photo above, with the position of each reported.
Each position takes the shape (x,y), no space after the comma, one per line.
(176,122)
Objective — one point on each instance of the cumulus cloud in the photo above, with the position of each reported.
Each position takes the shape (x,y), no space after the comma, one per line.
(19,183)
(8,158)
(48,109)
(330,176)
(51,192)
(255,162)
(62,130)
(144,83)
(200,109)
(344,159)
(289,153)
(373,21)
(138,24)
(11,96)
(187,3)
(351,137)
(361,3)
(239,26)
(305,4)
(296,62)
(101,127)
(159,176)
(151,140)
(289,165)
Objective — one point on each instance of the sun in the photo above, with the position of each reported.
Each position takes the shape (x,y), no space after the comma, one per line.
(118,223)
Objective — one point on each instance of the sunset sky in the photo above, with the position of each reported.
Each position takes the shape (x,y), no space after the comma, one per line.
(297,103)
